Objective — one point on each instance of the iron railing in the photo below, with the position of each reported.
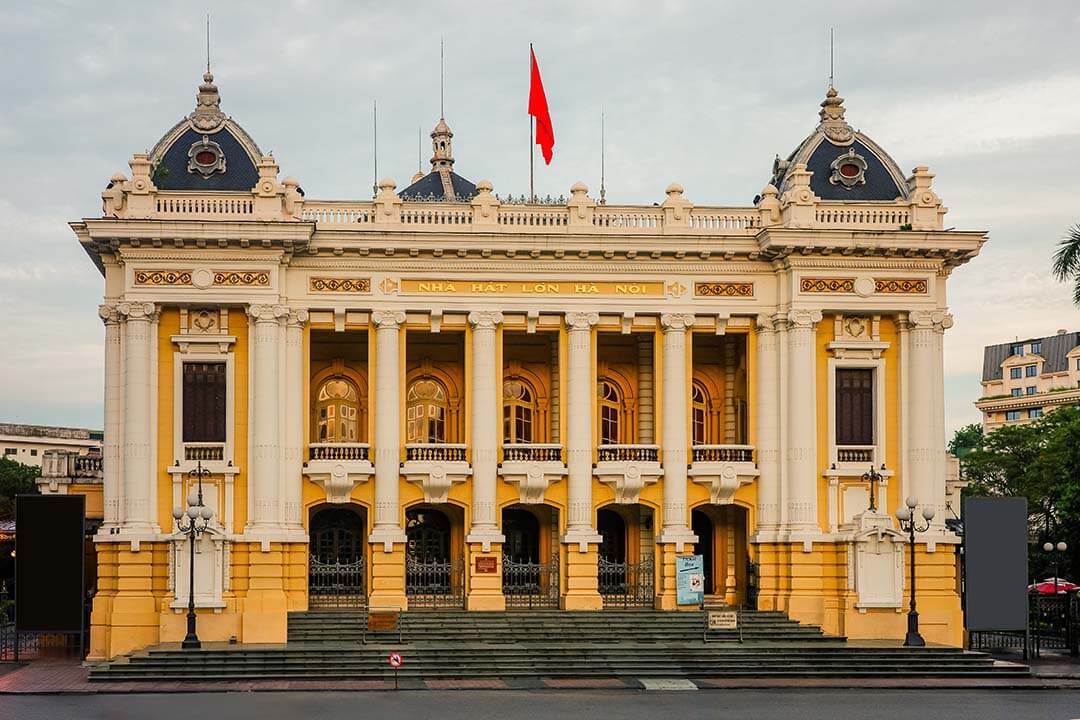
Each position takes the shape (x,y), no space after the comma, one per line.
(336,584)
(528,584)
(624,584)
(1053,624)
(435,584)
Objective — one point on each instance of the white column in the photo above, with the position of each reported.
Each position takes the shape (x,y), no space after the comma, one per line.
(802,470)
(136,513)
(925,469)
(387,443)
(486,422)
(580,388)
(114,417)
(674,441)
(295,415)
(264,481)
(767,420)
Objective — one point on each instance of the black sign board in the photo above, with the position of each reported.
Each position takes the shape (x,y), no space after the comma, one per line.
(995,570)
(49,555)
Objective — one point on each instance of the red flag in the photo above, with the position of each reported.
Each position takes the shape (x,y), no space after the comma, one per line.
(538,108)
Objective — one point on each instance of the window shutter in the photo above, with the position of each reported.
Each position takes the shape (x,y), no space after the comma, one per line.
(204,402)
(855,406)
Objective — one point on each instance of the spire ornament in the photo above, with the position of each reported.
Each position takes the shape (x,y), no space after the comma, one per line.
(208,116)
(833,124)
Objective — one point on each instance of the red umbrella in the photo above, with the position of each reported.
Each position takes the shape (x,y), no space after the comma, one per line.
(1046,587)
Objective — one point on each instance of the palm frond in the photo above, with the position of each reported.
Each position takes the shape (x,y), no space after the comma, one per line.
(1066,262)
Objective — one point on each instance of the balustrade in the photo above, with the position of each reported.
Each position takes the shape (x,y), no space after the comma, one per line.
(204,451)
(339,451)
(532,452)
(723,453)
(187,205)
(628,453)
(855,454)
(435,452)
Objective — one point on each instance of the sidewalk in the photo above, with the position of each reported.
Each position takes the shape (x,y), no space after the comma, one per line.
(54,676)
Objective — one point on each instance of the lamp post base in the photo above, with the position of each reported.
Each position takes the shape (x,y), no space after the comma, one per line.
(913,638)
(191,640)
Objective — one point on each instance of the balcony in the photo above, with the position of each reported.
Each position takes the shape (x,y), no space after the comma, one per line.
(533,467)
(628,469)
(206,452)
(435,467)
(338,468)
(858,454)
(723,469)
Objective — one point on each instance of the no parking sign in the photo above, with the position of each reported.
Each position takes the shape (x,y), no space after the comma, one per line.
(395,660)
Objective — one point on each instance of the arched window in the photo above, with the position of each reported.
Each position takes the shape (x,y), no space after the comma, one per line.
(700,414)
(611,408)
(425,411)
(519,411)
(337,411)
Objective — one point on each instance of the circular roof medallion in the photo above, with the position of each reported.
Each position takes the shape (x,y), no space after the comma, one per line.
(205,157)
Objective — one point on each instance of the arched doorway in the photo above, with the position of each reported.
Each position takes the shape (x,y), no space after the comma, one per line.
(434,578)
(530,557)
(625,567)
(702,527)
(336,567)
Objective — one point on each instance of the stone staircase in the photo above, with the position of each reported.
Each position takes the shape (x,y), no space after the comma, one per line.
(551,643)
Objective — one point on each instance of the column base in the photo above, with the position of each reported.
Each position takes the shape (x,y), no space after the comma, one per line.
(581,582)
(485,536)
(387,536)
(677,535)
(583,537)
(388,577)
(485,576)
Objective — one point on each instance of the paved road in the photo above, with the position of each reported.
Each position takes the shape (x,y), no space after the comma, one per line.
(554,705)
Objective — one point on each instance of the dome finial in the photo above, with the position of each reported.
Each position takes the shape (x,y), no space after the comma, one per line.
(833,123)
(442,146)
(208,116)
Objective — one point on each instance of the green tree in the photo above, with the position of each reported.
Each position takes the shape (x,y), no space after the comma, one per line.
(15,479)
(1066,265)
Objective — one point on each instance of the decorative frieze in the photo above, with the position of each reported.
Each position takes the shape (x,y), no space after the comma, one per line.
(724,289)
(827,285)
(163,277)
(242,278)
(900,286)
(339,285)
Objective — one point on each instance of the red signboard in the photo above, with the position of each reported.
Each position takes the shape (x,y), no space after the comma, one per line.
(486,565)
(395,660)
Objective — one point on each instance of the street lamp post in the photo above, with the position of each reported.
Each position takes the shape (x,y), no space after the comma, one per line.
(909,524)
(1060,547)
(193,522)
(873,477)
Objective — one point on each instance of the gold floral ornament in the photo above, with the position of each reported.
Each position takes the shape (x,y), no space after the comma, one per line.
(724,289)
(827,285)
(343,285)
(242,278)
(163,277)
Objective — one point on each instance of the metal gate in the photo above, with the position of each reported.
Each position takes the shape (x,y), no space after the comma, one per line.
(336,584)
(433,584)
(624,584)
(529,584)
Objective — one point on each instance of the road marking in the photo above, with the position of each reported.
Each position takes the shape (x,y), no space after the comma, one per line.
(667,684)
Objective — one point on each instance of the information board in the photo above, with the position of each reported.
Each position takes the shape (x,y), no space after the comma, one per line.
(689,579)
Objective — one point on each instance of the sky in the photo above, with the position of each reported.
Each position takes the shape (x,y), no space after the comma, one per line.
(987,93)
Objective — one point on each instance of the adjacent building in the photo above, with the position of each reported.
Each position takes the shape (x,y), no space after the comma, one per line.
(435,398)
(1023,380)
(27,444)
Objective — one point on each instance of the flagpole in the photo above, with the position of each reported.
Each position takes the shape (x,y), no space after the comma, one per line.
(532,120)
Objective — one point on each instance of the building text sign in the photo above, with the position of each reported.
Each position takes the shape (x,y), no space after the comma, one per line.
(723,620)
(551,288)
(689,579)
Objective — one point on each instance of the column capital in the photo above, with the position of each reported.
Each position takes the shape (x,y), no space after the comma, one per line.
(936,320)
(109,314)
(136,310)
(297,317)
(578,321)
(267,313)
(804,319)
(677,322)
(388,319)
(485,319)
(764,324)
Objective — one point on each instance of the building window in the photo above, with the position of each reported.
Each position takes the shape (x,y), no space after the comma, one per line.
(1016,373)
(1031,371)
(1017,392)
(337,409)
(204,402)
(1035,413)
(854,406)
(1036,348)
(1078,364)
(33,452)
(425,412)
(700,414)
(519,411)
(1016,349)
(1012,416)
(10,451)
(1030,390)
(610,413)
